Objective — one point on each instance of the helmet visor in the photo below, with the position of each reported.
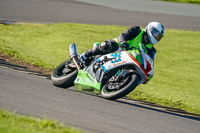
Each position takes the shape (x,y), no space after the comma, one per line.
(156,33)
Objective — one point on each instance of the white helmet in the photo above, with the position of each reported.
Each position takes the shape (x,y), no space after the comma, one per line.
(155,32)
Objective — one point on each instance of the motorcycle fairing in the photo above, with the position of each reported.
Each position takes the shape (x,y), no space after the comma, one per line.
(85,81)
(91,79)
(122,59)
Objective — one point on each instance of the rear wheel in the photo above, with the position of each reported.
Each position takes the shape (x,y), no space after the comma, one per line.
(64,75)
(120,85)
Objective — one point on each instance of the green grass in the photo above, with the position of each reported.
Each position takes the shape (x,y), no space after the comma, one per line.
(47,45)
(184,1)
(176,79)
(12,123)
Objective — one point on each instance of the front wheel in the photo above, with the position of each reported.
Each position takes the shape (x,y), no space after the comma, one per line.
(64,75)
(115,89)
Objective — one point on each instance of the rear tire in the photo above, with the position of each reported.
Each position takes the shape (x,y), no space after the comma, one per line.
(129,86)
(64,79)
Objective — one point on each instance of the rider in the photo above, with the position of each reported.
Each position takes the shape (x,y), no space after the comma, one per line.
(131,38)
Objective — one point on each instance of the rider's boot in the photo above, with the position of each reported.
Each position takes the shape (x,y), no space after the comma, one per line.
(82,57)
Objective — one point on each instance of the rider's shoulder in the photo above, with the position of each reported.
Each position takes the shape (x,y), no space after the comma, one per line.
(135,28)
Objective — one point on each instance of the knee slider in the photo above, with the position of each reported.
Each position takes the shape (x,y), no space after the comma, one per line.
(104,45)
(113,46)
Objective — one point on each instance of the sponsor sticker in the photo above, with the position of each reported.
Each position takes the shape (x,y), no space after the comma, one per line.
(78,79)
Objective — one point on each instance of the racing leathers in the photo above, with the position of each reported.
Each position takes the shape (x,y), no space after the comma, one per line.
(130,39)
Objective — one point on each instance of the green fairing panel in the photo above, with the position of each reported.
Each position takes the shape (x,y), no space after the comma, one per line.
(85,81)
(136,55)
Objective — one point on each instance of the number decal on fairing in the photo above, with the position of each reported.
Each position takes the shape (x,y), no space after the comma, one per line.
(117,57)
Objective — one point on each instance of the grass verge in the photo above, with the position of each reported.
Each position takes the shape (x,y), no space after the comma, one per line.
(176,80)
(12,123)
(183,1)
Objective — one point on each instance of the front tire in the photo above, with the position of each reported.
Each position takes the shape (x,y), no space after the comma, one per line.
(64,75)
(129,85)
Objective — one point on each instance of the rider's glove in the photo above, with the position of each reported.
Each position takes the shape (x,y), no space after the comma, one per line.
(124,45)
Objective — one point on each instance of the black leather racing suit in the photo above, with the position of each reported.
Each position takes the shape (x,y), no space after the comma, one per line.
(111,45)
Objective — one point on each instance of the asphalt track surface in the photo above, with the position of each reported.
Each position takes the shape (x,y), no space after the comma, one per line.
(109,12)
(31,93)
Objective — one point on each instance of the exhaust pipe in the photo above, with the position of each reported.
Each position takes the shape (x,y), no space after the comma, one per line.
(74,55)
(73,50)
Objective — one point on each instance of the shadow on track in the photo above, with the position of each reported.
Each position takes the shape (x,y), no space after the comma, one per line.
(161,109)
(146,105)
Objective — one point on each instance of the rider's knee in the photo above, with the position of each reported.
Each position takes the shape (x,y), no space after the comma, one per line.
(109,45)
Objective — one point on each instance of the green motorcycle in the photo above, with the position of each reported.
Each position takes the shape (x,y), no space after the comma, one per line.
(113,75)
